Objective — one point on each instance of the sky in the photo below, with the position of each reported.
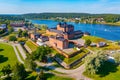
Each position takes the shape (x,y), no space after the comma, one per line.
(59,6)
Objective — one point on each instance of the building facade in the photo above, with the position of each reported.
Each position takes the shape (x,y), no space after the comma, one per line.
(58,42)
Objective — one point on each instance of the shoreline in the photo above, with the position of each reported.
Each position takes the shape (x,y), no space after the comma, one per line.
(110,24)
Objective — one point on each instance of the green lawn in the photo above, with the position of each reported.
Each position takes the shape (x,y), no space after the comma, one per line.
(32,46)
(108,72)
(72,59)
(94,39)
(48,76)
(78,56)
(114,24)
(110,45)
(53,77)
(8,55)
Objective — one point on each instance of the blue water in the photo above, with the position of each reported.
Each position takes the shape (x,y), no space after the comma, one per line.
(105,31)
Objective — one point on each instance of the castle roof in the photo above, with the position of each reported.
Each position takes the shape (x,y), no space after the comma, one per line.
(65,25)
(56,31)
(58,38)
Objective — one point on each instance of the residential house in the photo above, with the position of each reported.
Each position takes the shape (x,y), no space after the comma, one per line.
(34,36)
(101,44)
(43,38)
(3,26)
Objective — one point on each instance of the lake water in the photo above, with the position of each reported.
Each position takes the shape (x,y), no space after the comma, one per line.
(105,31)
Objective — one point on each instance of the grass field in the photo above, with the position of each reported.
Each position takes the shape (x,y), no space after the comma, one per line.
(114,24)
(48,76)
(72,59)
(53,77)
(94,39)
(108,72)
(32,46)
(109,47)
(8,55)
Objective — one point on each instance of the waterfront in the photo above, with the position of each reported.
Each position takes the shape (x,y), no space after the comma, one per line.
(105,31)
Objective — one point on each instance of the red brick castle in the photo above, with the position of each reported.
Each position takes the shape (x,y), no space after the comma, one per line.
(62,34)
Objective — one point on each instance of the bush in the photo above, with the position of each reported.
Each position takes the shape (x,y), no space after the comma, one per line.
(22,40)
(94,62)
(12,38)
(41,53)
(88,42)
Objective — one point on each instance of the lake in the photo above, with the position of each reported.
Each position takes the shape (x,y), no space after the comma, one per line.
(105,31)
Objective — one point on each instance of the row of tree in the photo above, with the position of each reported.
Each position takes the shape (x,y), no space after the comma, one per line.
(83,16)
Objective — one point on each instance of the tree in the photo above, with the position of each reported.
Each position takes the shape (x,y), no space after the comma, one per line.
(43,27)
(2,31)
(12,38)
(19,72)
(24,33)
(30,64)
(41,76)
(77,21)
(41,53)
(20,33)
(6,70)
(10,29)
(94,62)
(117,57)
(87,42)
(118,42)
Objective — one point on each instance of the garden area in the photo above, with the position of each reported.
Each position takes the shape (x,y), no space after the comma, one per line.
(32,46)
(76,57)
(73,59)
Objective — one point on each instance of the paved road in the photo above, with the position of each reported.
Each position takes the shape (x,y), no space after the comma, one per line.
(21,51)
(75,73)
(17,55)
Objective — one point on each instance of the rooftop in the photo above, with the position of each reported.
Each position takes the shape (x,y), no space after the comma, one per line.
(65,25)
(54,30)
(58,38)
(2,26)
